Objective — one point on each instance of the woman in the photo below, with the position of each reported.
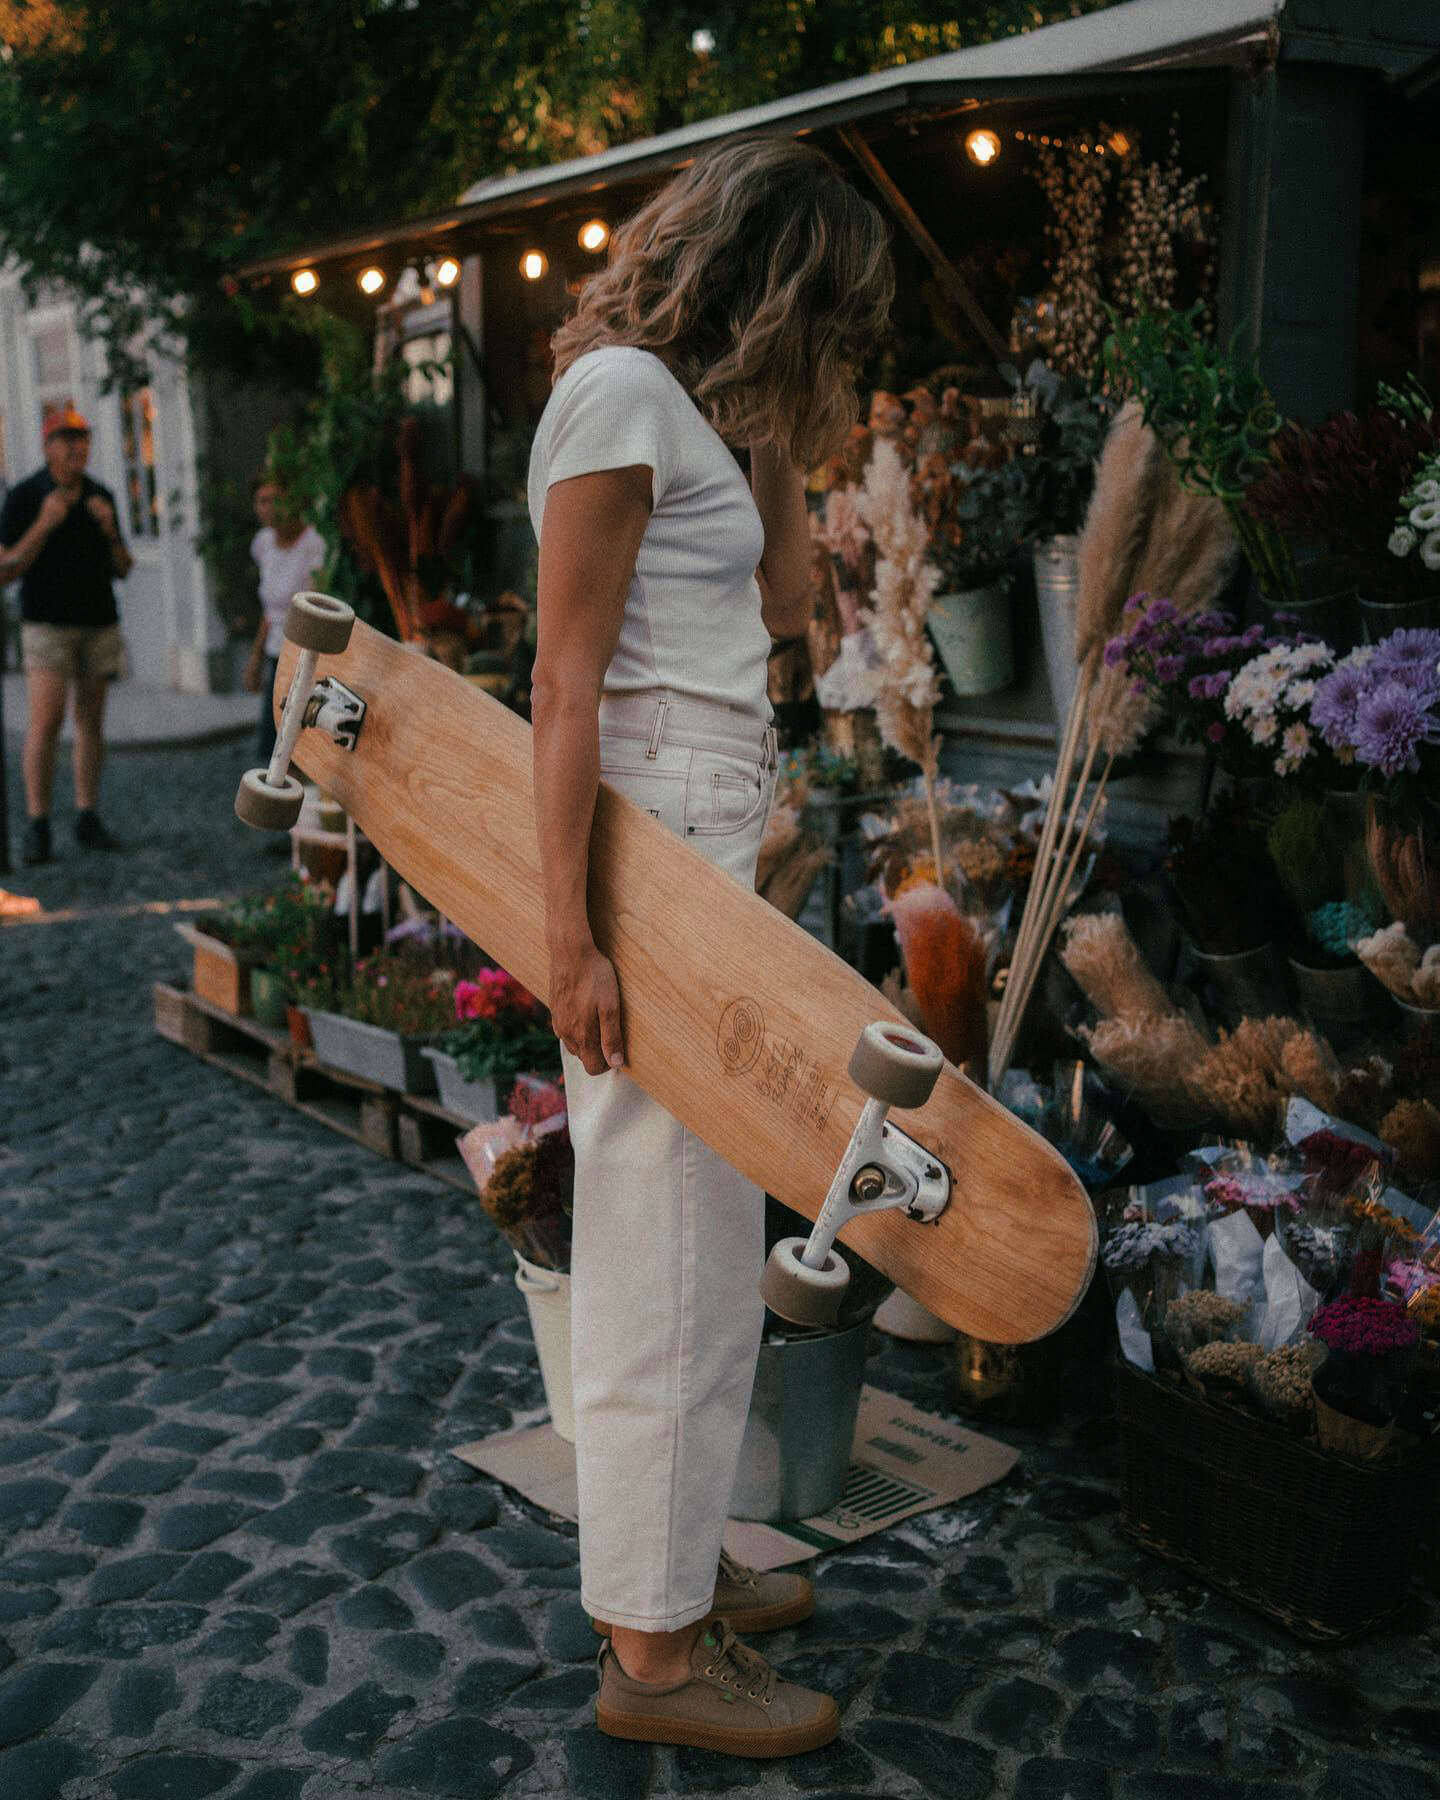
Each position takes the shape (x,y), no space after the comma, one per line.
(288,553)
(733,311)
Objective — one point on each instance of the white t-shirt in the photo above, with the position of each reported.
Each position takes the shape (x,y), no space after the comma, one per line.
(692,617)
(283,574)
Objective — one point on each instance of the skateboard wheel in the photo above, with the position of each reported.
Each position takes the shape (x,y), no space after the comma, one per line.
(894,1063)
(802,1295)
(318,622)
(265,807)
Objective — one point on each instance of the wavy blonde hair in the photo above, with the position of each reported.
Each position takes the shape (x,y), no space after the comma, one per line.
(762,279)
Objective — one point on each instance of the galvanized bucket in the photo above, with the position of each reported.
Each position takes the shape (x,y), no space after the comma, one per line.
(972,633)
(1057,589)
(795,1456)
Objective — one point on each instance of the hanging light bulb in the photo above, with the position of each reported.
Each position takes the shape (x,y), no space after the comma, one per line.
(982,147)
(447,272)
(594,235)
(304,282)
(371,280)
(534,264)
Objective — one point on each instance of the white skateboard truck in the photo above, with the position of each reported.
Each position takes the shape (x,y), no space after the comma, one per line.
(893,1065)
(270,798)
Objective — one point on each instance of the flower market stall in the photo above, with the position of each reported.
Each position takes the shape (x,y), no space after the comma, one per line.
(1112,749)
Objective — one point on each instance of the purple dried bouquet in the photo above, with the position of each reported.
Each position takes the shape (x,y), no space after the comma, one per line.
(1186,665)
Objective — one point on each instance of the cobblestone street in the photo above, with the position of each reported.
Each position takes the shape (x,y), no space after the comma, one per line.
(239,1561)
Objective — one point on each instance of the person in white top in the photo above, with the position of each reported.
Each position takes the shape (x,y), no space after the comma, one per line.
(731,317)
(289,553)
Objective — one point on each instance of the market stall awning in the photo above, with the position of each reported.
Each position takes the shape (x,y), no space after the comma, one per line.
(1140,38)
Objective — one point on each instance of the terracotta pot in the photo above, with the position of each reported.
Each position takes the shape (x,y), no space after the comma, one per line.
(299,1027)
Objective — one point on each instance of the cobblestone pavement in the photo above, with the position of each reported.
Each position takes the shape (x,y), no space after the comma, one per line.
(238,1561)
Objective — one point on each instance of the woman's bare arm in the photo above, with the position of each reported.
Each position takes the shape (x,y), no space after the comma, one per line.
(589,540)
(784,572)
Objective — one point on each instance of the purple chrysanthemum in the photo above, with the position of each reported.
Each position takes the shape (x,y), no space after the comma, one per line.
(1337,700)
(1408,650)
(1392,721)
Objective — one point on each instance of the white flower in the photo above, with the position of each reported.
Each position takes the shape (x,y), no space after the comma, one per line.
(1402,541)
(1426,516)
(1263,727)
(1428,490)
(1300,693)
(1430,551)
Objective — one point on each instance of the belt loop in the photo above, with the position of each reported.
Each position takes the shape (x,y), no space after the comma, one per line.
(772,748)
(659,731)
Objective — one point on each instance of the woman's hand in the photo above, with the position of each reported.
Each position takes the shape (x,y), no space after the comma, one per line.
(585,1007)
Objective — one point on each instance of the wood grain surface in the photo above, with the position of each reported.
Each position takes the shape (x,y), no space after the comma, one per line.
(736,1020)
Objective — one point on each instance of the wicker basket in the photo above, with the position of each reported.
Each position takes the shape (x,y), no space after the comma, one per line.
(1321,1544)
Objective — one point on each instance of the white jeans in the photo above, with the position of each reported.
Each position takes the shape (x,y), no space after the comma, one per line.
(668,1239)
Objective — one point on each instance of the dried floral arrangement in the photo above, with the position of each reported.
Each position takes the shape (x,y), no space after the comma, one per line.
(523,1167)
(1411,974)
(1143,532)
(1340,483)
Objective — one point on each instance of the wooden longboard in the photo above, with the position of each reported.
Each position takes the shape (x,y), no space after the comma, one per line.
(736,1021)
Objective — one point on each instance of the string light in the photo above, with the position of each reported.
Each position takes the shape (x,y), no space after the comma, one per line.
(534,264)
(982,147)
(447,272)
(1117,144)
(304,282)
(371,280)
(594,235)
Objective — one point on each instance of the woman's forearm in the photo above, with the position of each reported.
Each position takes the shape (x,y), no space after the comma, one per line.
(566,773)
(779,491)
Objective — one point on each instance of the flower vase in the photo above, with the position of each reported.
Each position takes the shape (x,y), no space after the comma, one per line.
(547,1300)
(971,630)
(1380,617)
(1346,1436)
(1057,589)
(1245,981)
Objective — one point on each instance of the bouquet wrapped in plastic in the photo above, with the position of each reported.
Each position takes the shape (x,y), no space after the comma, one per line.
(524,1169)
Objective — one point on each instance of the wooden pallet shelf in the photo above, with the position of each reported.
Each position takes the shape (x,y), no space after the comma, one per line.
(403,1127)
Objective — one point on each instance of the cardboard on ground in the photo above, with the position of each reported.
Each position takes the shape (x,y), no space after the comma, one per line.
(904,1461)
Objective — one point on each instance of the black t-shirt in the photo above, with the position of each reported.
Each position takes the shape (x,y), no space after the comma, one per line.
(69,582)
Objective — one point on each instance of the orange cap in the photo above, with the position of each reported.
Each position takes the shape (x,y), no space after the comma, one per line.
(66,420)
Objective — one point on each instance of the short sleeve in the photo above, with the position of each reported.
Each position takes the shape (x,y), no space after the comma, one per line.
(611,411)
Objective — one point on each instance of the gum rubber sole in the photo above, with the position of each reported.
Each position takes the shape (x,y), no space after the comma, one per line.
(746,1622)
(791,1740)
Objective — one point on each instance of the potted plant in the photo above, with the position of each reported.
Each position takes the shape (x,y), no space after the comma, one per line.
(500,1030)
(282,929)
(1038,498)
(375,1022)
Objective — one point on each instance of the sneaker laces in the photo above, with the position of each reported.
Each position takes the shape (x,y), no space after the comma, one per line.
(737,1665)
(736,1573)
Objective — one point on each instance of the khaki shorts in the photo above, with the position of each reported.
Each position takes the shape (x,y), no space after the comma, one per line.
(81,652)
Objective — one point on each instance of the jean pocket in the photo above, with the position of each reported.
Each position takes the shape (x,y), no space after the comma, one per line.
(724,795)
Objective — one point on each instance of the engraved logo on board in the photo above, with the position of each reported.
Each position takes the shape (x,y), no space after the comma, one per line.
(741,1036)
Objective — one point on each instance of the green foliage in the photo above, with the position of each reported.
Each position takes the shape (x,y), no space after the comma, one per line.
(1044,491)
(1216,419)
(150,149)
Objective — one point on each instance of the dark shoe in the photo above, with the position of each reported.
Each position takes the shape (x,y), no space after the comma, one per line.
(92,833)
(733,1702)
(750,1602)
(35,847)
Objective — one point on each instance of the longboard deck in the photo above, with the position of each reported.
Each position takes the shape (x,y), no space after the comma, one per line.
(735,1019)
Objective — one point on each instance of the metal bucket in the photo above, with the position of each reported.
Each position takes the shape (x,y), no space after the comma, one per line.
(972,633)
(1057,590)
(795,1456)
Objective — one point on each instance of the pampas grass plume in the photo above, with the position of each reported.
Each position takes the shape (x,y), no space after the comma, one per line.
(1128,480)
(1152,1056)
(1106,963)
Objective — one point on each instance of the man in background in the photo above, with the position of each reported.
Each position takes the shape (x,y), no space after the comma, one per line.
(63,526)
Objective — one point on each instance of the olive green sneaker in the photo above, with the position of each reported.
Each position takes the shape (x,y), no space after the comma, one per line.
(733,1702)
(752,1602)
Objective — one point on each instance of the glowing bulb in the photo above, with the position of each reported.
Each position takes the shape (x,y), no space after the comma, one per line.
(982,147)
(534,264)
(1119,143)
(371,280)
(304,282)
(594,235)
(447,272)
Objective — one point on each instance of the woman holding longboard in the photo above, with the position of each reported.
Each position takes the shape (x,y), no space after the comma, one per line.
(733,312)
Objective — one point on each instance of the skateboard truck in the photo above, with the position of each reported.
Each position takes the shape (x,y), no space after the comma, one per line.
(270,799)
(804,1279)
